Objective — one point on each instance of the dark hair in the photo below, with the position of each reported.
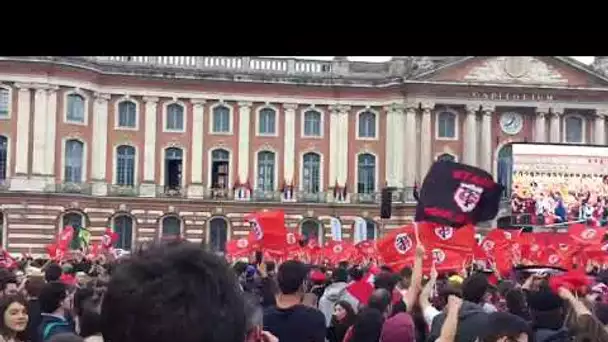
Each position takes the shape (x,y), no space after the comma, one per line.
(406,272)
(350,312)
(34,285)
(5,302)
(291,276)
(7,277)
(475,287)
(502,324)
(87,302)
(386,280)
(52,272)
(173,292)
(368,326)
(379,300)
(239,267)
(356,273)
(51,296)
(66,337)
(340,275)
(271,266)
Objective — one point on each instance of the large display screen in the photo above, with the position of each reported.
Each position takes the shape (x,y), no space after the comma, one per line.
(552,184)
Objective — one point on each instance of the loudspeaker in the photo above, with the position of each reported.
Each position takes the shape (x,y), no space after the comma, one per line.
(386,203)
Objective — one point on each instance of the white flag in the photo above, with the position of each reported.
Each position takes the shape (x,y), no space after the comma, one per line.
(336,229)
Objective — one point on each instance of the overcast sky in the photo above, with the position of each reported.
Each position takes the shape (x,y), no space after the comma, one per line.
(586,60)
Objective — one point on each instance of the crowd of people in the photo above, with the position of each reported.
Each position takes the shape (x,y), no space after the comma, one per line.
(178,291)
(550,198)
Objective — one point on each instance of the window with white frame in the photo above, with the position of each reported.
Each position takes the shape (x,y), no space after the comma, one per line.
(311,172)
(125,165)
(3,157)
(123,226)
(266,163)
(446,125)
(175,117)
(312,123)
(74,156)
(127,114)
(574,129)
(366,173)
(367,125)
(74,220)
(171,227)
(221,119)
(267,121)
(75,108)
(4,102)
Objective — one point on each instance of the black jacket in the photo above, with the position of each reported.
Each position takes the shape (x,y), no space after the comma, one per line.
(471,319)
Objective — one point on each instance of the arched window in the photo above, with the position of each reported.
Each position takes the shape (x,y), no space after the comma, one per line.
(220,169)
(366,173)
(367,125)
(171,227)
(267,121)
(125,165)
(371,230)
(123,226)
(3,157)
(75,220)
(74,155)
(75,108)
(221,119)
(218,234)
(574,129)
(310,229)
(173,167)
(446,157)
(311,172)
(266,163)
(127,114)
(175,117)
(504,168)
(4,102)
(312,123)
(446,125)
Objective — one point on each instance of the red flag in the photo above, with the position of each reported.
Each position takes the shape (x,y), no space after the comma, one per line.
(269,229)
(362,289)
(446,237)
(398,245)
(238,248)
(108,239)
(337,251)
(583,235)
(64,238)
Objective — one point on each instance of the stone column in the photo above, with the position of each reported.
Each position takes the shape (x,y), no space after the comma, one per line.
(342,161)
(555,135)
(195,188)
(334,123)
(486,138)
(426,133)
(100,144)
(470,135)
(148,187)
(289,141)
(411,144)
(395,145)
(39,136)
(23,130)
(600,127)
(50,133)
(244,143)
(540,124)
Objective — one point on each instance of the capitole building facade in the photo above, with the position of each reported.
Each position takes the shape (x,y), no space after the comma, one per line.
(163,146)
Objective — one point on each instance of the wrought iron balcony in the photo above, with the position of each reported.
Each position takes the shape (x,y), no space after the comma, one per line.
(266,196)
(218,194)
(367,198)
(311,197)
(122,190)
(170,191)
(72,188)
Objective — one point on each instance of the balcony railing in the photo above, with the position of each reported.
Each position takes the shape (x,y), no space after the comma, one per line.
(367,198)
(72,188)
(5,185)
(310,197)
(266,196)
(122,191)
(170,191)
(218,194)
